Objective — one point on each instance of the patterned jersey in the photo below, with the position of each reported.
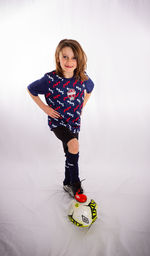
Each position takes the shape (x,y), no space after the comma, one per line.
(65,95)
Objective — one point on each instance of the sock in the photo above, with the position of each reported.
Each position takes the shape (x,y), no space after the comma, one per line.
(72,161)
(67,174)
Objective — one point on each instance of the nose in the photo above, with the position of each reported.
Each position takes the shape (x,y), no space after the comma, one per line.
(69,62)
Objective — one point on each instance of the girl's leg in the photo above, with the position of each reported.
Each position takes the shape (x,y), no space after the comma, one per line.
(67,172)
(72,160)
(73,146)
(71,150)
(70,146)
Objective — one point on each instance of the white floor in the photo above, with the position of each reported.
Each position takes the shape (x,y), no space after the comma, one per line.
(33,210)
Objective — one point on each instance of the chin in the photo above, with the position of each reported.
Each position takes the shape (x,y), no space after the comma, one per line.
(69,70)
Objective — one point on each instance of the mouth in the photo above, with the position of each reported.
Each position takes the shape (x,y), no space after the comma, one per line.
(68,66)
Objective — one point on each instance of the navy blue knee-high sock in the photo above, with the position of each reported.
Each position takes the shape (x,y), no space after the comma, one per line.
(67,174)
(72,162)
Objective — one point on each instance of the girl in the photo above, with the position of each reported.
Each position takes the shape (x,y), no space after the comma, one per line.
(67,90)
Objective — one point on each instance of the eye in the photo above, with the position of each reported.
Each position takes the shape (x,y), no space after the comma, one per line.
(64,56)
(74,58)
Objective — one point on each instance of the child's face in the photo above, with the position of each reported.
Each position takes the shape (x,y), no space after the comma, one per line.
(67,61)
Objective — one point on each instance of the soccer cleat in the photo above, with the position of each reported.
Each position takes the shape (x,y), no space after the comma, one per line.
(72,189)
(76,187)
(68,188)
(76,191)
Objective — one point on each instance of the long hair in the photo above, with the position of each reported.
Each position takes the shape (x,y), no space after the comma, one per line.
(79,72)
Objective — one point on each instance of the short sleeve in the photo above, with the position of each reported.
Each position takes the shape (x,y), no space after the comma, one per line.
(39,86)
(89,85)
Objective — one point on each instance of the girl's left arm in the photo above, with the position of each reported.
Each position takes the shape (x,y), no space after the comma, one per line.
(86,98)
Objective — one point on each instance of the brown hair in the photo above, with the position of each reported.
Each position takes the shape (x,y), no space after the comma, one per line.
(80,55)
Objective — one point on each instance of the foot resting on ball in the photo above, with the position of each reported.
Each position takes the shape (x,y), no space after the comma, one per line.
(76,191)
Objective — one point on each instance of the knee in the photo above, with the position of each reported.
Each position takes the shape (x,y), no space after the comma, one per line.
(73,146)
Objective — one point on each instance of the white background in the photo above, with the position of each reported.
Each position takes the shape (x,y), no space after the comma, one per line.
(114,139)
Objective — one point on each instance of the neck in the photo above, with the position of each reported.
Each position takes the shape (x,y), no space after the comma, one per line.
(68,75)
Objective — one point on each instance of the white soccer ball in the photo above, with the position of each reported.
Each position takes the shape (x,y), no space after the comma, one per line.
(83,214)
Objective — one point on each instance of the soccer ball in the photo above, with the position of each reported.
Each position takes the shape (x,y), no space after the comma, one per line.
(83,214)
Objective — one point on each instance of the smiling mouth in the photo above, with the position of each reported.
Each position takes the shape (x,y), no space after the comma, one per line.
(68,67)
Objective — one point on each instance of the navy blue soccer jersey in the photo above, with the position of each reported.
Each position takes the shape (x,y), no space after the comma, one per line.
(65,95)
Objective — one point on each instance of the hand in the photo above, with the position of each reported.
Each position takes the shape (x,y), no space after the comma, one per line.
(51,112)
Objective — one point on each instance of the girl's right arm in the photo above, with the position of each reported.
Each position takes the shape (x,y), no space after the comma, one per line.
(48,110)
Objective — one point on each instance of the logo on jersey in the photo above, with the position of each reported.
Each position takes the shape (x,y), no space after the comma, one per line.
(71,94)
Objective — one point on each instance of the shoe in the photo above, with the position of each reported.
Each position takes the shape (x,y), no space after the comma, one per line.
(68,188)
(74,188)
